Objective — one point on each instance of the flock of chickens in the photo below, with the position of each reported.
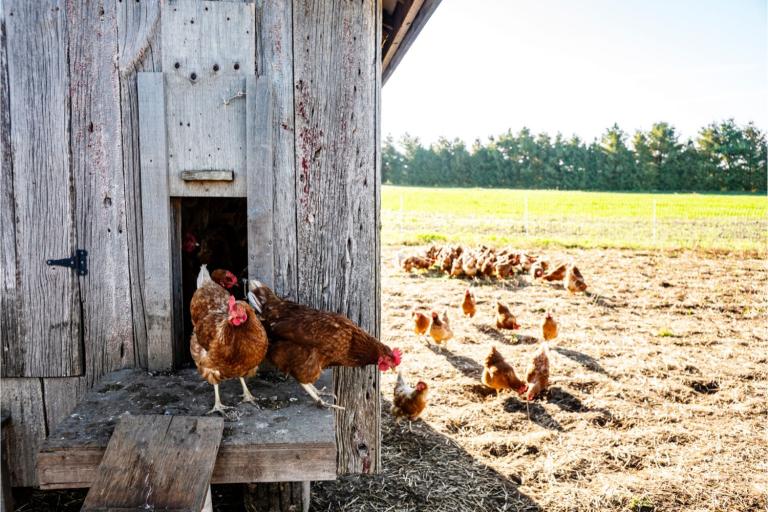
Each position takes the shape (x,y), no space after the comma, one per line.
(489,262)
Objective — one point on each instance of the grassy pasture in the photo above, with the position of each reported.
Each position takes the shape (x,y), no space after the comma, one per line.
(542,218)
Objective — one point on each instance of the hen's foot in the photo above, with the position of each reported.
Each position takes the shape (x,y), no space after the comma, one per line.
(228,412)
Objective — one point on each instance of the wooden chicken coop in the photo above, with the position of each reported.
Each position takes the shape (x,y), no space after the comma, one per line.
(129,124)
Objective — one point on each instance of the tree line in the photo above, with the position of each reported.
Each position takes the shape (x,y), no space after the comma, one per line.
(724,157)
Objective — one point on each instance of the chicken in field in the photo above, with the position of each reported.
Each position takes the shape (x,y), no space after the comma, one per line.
(537,374)
(498,374)
(557,274)
(228,340)
(440,329)
(408,402)
(415,262)
(303,341)
(549,328)
(469,266)
(457,269)
(420,323)
(468,304)
(503,268)
(574,280)
(538,269)
(504,317)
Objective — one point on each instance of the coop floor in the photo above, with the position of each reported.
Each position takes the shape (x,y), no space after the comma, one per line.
(623,428)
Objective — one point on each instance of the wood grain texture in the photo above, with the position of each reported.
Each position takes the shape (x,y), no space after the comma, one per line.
(179,345)
(6,496)
(140,468)
(198,35)
(261,185)
(336,90)
(157,221)
(138,29)
(61,396)
(206,127)
(207,175)
(100,208)
(274,64)
(277,497)
(289,439)
(23,399)
(44,345)
(8,292)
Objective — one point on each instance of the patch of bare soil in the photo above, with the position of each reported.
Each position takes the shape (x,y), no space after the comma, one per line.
(657,399)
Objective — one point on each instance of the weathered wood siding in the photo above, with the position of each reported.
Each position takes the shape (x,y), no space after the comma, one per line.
(335,71)
(71,177)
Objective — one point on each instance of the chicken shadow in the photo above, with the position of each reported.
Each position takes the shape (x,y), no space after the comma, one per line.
(587,361)
(416,460)
(493,333)
(535,412)
(467,366)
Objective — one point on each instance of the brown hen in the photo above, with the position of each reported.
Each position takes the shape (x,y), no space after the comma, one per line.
(498,374)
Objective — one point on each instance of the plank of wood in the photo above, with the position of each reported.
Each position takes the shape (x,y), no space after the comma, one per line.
(401,21)
(61,396)
(207,175)
(274,63)
(260,157)
(206,125)
(157,221)
(179,345)
(140,469)
(200,35)
(47,345)
(277,497)
(6,496)
(428,8)
(100,208)
(23,400)
(138,50)
(8,292)
(288,439)
(335,75)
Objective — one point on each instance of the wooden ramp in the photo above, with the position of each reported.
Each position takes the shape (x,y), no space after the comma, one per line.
(287,439)
(157,463)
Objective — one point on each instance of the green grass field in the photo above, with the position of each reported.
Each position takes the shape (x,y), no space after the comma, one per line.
(413,215)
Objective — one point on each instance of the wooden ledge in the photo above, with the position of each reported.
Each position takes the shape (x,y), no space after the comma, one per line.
(288,440)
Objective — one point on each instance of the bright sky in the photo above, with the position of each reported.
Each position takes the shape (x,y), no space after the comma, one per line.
(480,67)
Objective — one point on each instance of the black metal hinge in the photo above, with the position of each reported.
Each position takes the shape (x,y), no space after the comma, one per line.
(79,262)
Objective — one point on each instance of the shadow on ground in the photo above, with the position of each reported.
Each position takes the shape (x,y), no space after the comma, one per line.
(423,470)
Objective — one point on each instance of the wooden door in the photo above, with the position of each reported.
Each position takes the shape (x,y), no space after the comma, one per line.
(40,323)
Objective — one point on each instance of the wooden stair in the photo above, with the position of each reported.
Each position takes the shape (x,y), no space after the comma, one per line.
(157,463)
(287,439)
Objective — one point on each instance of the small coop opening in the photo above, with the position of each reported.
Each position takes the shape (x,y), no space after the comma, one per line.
(214,232)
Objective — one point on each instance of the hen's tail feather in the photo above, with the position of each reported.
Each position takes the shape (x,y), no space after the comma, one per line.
(203,277)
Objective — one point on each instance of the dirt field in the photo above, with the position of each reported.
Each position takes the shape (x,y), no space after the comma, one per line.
(657,399)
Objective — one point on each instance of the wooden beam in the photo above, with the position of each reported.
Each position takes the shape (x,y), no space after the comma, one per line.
(138,28)
(140,468)
(155,202)
(398,51)
(335,73)
(274,65)
(23,400)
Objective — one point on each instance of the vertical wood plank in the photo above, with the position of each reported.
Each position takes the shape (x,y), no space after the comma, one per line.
(180,346)
(335,77)
(8,293)
(60,396)
(39,108)
(138,29)
(378,24)
(157,221)
(260,186)
(274,64)
(23,399)
(96,149)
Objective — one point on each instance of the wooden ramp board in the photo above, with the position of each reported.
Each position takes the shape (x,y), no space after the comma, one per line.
(156,463)
(288,439)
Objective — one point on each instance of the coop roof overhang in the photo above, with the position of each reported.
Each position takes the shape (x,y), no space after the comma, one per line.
(402,21)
